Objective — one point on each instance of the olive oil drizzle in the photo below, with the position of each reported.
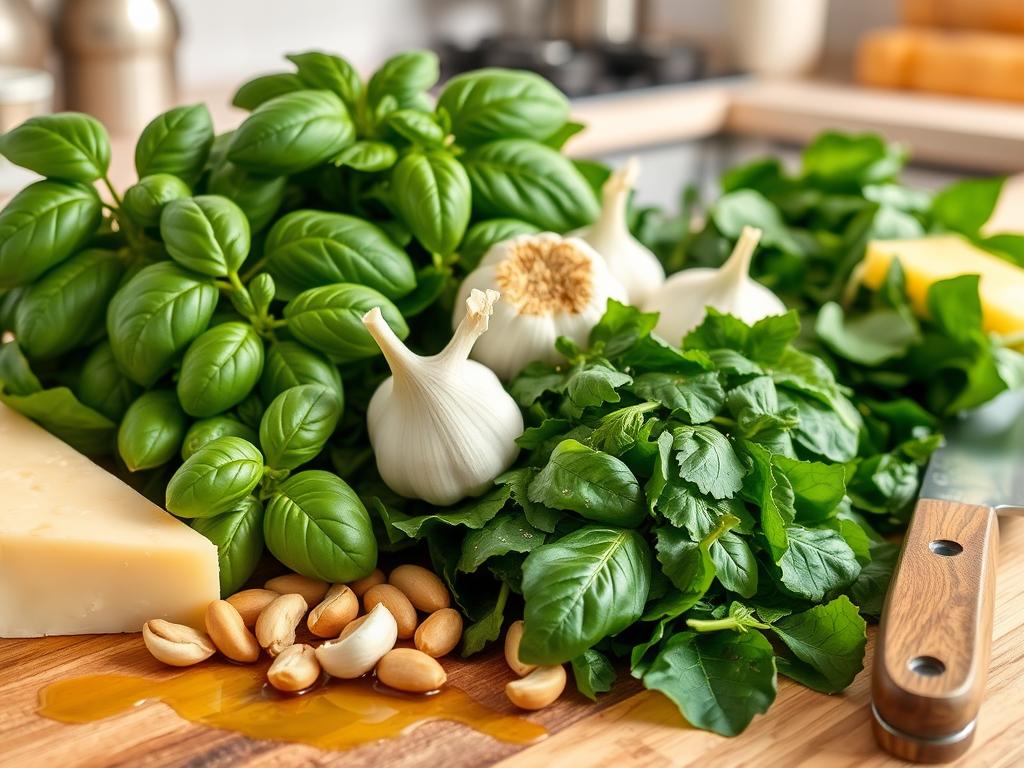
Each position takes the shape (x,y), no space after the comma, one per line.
(339,715)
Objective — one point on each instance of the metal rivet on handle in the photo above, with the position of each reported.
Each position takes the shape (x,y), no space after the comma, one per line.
(926,666)
(945,547)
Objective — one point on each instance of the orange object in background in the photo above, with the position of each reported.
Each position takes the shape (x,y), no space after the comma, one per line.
(991,15)
(980,64)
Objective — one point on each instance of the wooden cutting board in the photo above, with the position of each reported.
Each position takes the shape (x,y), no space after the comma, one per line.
(629,727)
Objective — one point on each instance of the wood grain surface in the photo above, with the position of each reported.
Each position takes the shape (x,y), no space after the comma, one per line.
(933,643)
(628,728)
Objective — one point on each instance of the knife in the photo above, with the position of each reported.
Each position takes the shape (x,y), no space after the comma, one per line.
(932,651)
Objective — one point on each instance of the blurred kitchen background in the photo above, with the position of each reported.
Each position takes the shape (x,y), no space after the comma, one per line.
(690,85)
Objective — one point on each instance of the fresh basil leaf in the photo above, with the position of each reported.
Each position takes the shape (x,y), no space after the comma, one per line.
(16,376)
(503,534)
(432,196)
(144,201)
(542,518)
(309,249)
(330,73)
(176,142)
(151,431)
(420,128)
(367,156)
(828,643)
(580,589)
(219,369)
(559,138)
(707,459)
(818,562)
(330,319)
(592,484)
(965,206)
(502,104)
(817,488)
(474,514)
(59,412)
(42,226)
(525,180)
(872,582)
(487,628)
(67,145)
(289,364)
(155,316)
(404,77)
(215,478)
(207,234)
(719,681)
(292,133)
(735,564)
(316,525)
(238,535)
(207,430)
(593,673)
(258,196)
(483,234)
(768,488)
(66,307)
(253,93)
(297,424)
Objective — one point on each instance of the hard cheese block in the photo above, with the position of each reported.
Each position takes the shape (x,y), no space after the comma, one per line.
(929,259)
(81,552)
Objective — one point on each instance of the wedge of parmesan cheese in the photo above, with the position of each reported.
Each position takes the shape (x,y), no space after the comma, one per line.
(81,552)
(929,259)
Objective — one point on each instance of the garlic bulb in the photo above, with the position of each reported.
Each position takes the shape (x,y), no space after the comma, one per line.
(683,300)
(552,286)
(442,427)
(632,263)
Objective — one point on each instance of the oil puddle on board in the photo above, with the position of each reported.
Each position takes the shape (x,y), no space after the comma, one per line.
(338,715)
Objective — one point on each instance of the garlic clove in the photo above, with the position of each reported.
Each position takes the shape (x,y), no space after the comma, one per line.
(551,286)
(442,427)
(360,646)
(682,301)
(629,260)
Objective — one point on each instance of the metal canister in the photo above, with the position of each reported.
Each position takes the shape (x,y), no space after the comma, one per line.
(119,59)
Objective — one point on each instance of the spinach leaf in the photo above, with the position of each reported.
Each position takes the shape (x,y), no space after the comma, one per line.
(827,642)
(238,535)
(700,397)
(590,483)
(706,458)
(501,535)
(719,681)
(593,673)
(59,412)
(818,562)
(487,628)
(16,376)
(965,206)
(474,514)
(580,589)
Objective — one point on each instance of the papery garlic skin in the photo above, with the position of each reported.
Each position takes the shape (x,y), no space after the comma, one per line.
(551,286)
(629,261)
(683,300)
(442,427)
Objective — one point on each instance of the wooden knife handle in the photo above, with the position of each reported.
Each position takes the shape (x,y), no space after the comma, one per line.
(932,654)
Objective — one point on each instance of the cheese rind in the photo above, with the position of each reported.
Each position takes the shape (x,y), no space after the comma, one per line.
(81,552)
(929,259)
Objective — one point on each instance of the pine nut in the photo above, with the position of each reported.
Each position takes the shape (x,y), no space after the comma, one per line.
(439,633)
(397,603)
(250,603)
(275,627)
(294,669)
(363,584)
(227,630)
(538,689)
(312,590)
(513,637)
(338,608)
(424,589)
(406,669)
(176,644)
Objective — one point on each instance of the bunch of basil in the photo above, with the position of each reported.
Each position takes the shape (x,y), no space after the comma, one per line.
(201,316)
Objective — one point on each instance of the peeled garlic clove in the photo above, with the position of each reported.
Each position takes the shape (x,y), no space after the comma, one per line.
(629,260)
(683,300)
(551,286)
(442,427)
(360,646)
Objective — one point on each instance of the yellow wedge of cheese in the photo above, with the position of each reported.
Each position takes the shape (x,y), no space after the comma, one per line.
(929,259)
(81,552)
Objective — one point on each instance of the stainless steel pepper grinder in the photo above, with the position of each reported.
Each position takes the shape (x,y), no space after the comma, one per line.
(119,59)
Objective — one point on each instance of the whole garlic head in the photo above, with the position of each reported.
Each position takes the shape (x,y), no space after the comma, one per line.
(631,262)
(442,427)
(683,300)
(551,286)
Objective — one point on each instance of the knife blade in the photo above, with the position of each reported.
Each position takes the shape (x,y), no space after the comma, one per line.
(932,651)
(981,461)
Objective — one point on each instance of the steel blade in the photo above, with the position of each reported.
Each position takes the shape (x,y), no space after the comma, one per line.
(982,460)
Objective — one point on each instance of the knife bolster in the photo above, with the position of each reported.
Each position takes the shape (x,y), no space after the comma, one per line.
(932,654)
